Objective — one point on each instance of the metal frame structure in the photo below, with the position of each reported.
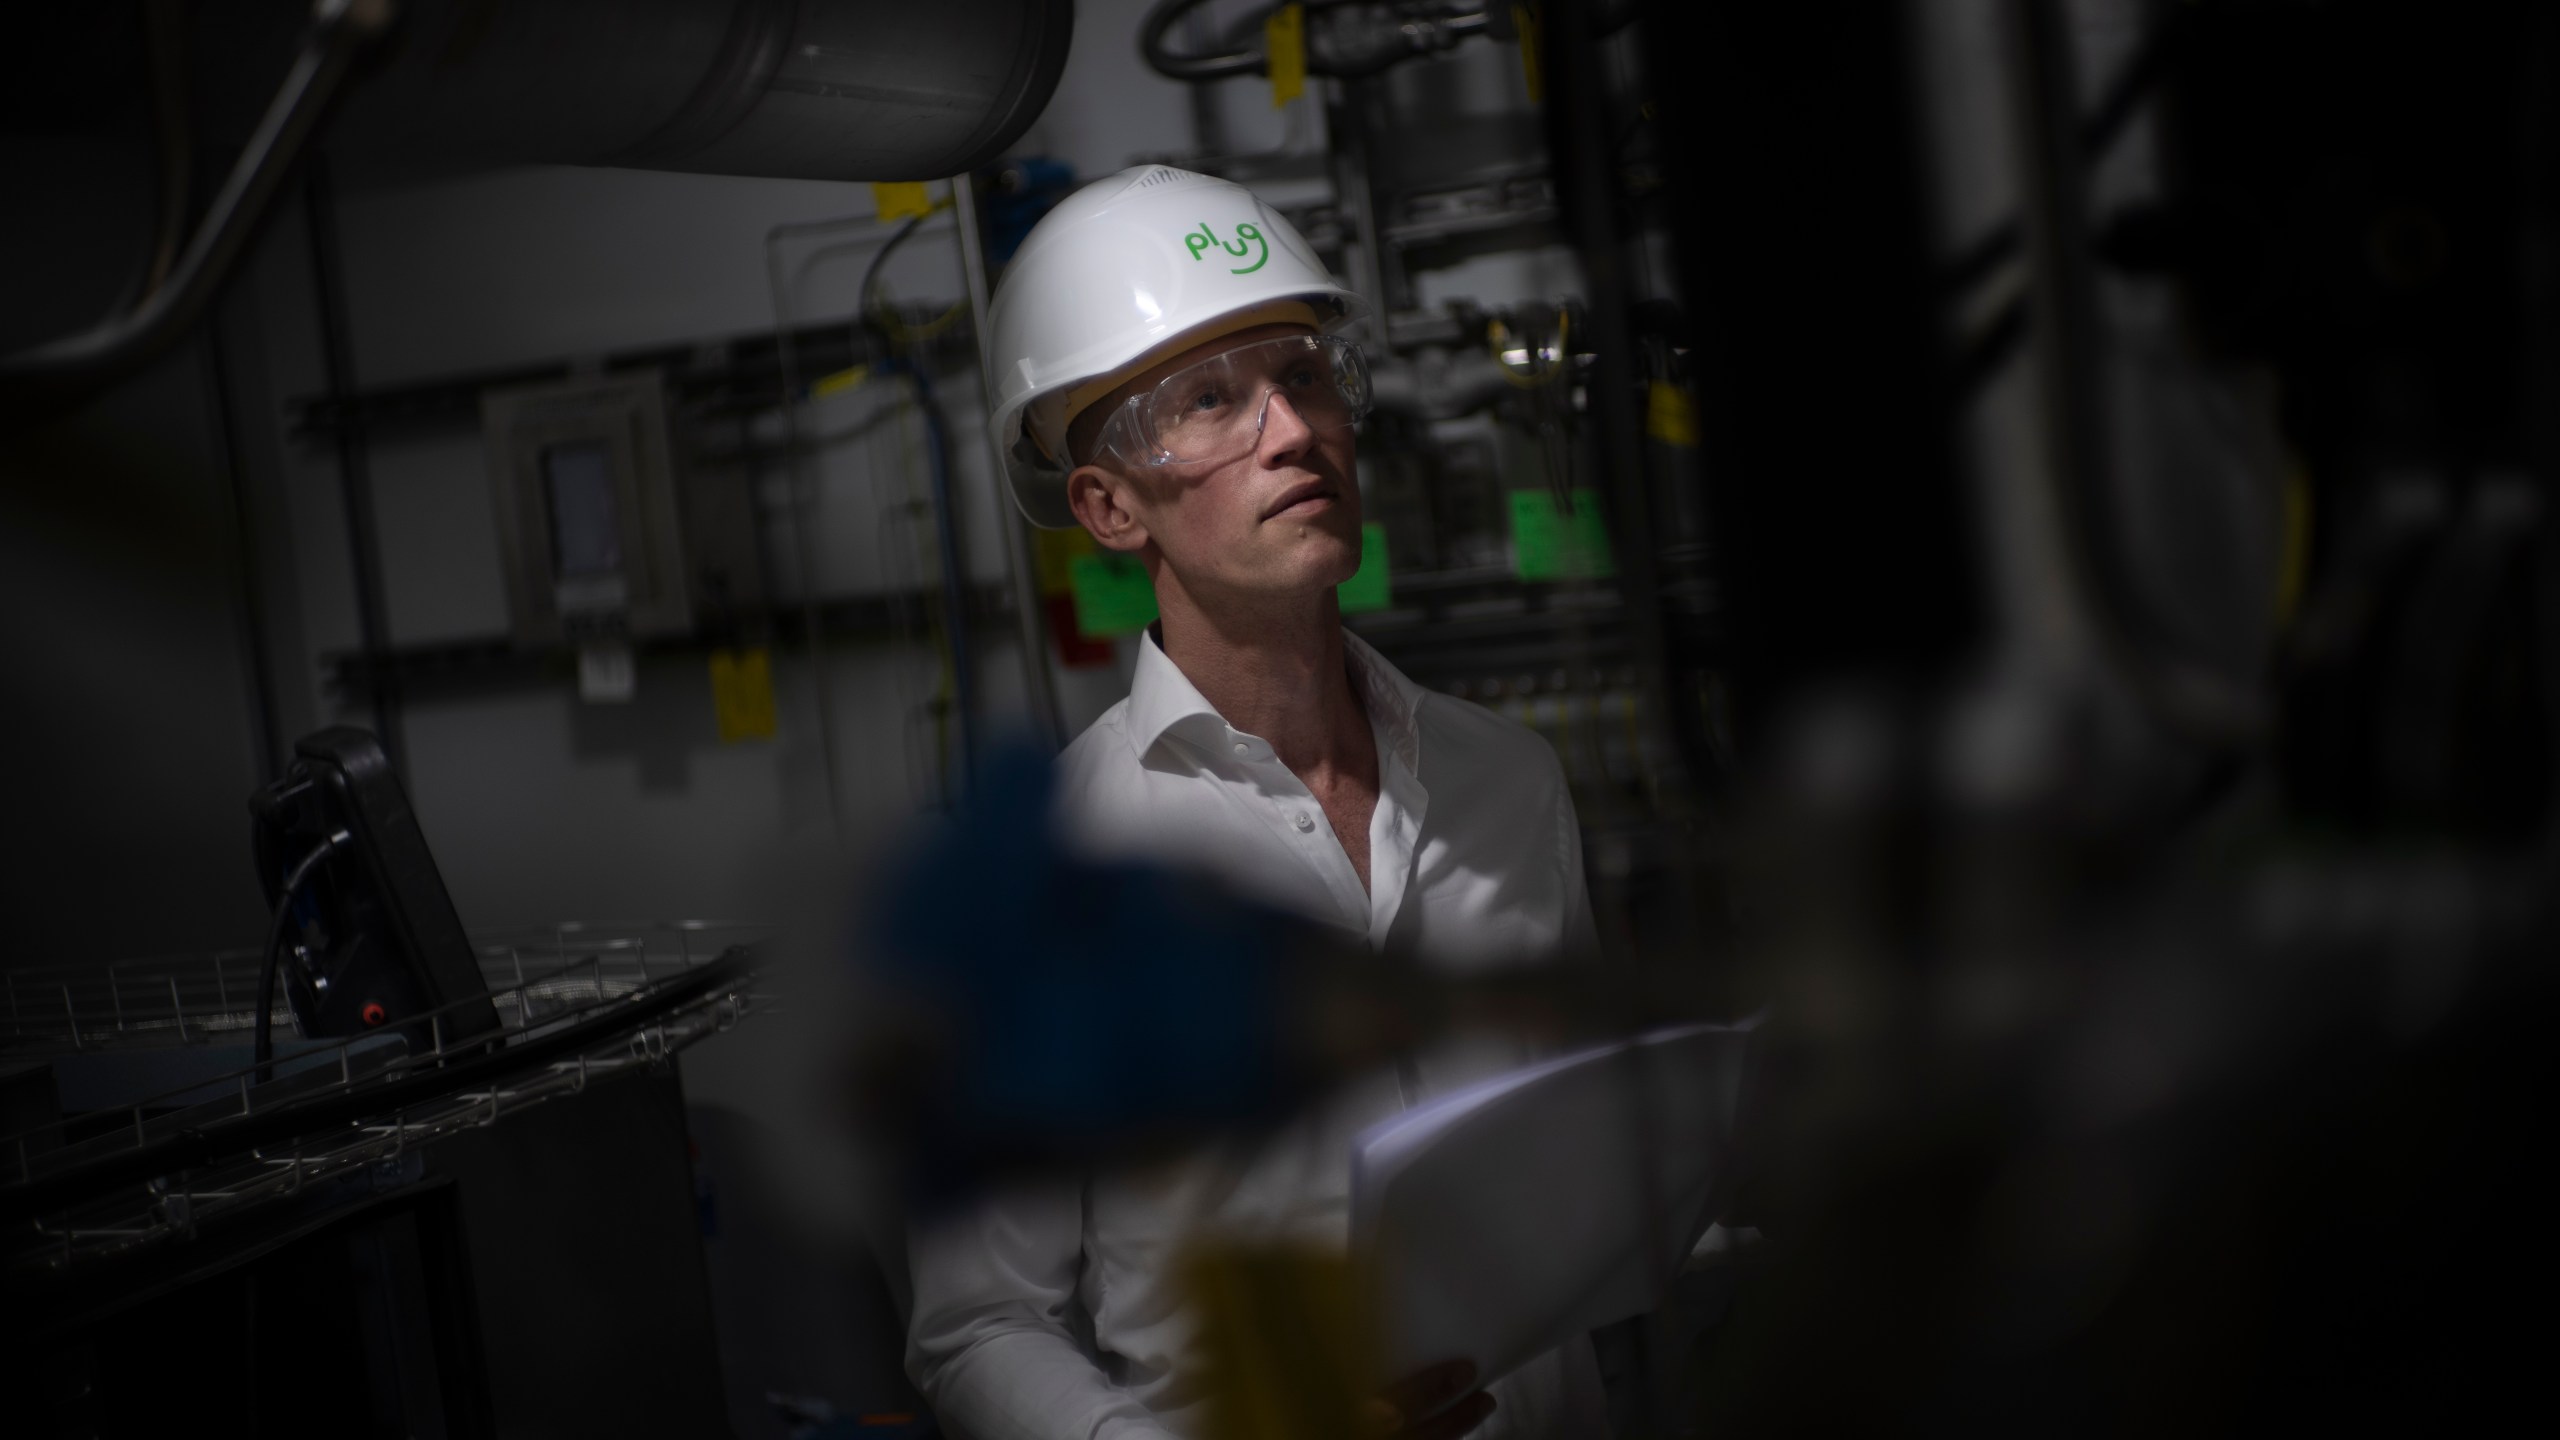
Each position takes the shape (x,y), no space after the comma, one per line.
(601,1000)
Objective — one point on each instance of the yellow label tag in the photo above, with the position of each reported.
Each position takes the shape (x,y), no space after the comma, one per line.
(1284,38)
(899,198)
(2296,561)
(1524,18)
(742,693)
(1053,557)
(1284,1346)
(1669,417)
(839,382)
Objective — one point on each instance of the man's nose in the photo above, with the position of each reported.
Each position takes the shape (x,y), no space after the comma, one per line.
(1284,432)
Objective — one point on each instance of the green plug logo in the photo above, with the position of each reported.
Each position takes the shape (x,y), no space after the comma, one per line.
(1247,237)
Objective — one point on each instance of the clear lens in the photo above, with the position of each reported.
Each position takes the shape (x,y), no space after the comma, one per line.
(1215,410)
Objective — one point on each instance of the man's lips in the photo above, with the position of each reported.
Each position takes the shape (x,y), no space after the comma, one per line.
(1297,495)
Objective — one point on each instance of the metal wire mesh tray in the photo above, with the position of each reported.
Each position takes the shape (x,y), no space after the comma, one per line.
(574,1003)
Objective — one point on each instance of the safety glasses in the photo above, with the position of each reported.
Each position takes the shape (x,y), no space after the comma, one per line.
(1214,411)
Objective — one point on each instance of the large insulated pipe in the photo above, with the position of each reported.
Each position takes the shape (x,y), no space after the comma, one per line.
(800,89)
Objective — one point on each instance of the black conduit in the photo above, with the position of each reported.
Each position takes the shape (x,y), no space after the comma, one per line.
(364,546)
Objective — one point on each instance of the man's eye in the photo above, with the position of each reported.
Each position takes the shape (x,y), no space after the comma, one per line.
(1300,378)
(1204,400)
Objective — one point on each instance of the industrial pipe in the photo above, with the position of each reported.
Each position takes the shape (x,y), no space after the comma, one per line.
(795,89)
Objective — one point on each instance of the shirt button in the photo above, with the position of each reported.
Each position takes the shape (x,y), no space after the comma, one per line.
(1306,822)
(1243,749)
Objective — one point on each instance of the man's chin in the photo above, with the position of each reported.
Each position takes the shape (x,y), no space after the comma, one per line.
(1318,562)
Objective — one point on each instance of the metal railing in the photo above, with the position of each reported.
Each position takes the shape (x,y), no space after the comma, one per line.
(574,1003)
(205,997)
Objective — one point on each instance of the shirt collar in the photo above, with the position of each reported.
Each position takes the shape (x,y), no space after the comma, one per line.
(1162,700)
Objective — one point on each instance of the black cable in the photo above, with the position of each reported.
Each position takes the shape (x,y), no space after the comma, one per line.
(293,880)
(955,613)
(47,378)
(955,610)
(355,479)
(871,272)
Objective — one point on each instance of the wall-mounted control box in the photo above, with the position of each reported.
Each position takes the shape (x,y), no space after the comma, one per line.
(590,527)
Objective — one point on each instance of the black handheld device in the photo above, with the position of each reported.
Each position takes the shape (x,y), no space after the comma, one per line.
(365,937)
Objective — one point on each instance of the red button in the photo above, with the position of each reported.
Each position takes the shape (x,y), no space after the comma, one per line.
(373,1012)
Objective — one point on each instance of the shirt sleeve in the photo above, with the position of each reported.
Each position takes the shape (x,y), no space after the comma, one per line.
(994,1343)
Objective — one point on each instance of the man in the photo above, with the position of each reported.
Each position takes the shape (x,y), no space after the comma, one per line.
(1167,376)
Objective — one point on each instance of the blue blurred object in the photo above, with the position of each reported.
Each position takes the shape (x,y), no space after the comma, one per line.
(813,1417)
(1063,1007)
(1018,193)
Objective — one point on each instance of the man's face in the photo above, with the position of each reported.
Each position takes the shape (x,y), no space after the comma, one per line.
(1281,519)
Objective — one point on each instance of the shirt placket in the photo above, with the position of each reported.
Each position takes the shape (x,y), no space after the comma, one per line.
(1284,804)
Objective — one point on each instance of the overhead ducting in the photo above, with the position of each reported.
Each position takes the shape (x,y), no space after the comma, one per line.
(799,89)
(385,89)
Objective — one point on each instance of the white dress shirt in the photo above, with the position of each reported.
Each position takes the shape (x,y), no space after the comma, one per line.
(1050,1311)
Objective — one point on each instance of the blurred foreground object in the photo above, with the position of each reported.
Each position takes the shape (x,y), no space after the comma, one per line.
(1502,1220)
(1034,1008)
(1026,1008)
(2141,656)
(1285,1350)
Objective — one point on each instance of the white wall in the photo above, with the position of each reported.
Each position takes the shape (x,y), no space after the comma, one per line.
(540,807)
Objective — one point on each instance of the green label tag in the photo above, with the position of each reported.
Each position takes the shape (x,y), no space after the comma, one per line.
(1367,589)
(1113,595)
(1547,545)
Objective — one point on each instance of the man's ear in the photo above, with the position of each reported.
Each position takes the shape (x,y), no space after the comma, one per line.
(1100,501)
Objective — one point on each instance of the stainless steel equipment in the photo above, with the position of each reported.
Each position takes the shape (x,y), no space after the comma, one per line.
(819,89)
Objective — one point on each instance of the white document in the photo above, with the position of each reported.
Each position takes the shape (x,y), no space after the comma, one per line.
(1503,1219)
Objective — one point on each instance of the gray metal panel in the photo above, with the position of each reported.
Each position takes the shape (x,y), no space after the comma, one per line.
(586,1263)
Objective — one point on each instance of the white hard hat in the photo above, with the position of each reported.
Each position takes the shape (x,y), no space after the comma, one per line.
(1119,268)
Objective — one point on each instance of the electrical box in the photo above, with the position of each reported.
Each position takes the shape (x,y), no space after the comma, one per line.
(589,523)
(374,941)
